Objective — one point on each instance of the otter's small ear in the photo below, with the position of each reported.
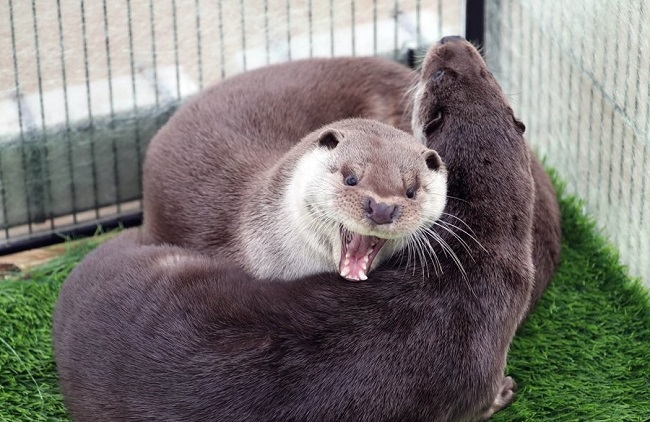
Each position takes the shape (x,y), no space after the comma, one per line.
(434,162)
(329,139)
(521,127)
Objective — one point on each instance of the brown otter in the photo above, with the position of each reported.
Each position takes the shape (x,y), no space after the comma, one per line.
(209,175)
(459,108)
(268,110)
(346,197)
(155,332)
(547,232)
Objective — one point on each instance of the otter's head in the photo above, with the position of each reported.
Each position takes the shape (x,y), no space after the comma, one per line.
(454,83)
(369,188)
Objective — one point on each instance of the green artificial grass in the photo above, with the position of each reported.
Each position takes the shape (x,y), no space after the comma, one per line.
(584,354)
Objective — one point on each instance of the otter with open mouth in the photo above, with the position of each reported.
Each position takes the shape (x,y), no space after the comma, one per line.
(221,176)
(343,199)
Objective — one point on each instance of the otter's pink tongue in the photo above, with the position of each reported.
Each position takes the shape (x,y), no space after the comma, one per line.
(357,253)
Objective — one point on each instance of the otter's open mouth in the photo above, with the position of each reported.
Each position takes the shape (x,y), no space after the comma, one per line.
(357,253)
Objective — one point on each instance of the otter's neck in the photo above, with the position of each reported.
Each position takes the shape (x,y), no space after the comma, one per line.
(281,238)
(489,181)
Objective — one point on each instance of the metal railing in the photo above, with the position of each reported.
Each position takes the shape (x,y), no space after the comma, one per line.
(88,83)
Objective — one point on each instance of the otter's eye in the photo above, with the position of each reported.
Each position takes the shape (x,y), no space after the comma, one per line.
(351,181)
(434,123)
(437,75)
(410,193)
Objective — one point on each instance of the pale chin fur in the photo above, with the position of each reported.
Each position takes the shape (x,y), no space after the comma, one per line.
(299,252)
(416,126)
(436,201)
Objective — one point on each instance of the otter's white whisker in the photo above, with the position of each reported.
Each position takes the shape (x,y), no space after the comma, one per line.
(460,240)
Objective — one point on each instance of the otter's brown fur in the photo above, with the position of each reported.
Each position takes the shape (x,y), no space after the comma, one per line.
(155,332)
(547,234)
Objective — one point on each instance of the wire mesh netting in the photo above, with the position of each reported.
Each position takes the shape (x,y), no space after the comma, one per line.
(86,84)
(577,74)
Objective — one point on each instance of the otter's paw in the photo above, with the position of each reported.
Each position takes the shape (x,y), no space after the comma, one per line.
(504,397)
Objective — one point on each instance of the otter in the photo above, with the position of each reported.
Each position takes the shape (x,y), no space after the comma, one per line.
(151,331)
(257,117)
(547,232)
(346,197)
(211,174)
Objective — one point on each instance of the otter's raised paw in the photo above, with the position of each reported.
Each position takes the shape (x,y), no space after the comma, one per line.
(504,397)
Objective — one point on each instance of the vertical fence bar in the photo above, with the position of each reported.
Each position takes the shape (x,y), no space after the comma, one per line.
(222,55)
(539,58)
(475,21)
(547,17)
(440,34)
(199,43)
(374,27)
(633,131)
(267,36)
(590,123)
(396,13)
(154,55)
(332,28)
(581,64)
(493,35)
(526,34)
(138,140)
(418,24)
(610,161)
(3,194)
(289,29)
(644,139)
(116,173)
(21,123)
(91,123)
(176,60)
(64,79)
(310,13)
(242,17)
(565,95)
(601,140)
(512,43)
(40,153)
(354,31)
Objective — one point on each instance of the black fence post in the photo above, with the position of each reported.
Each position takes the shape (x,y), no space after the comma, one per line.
(475,22)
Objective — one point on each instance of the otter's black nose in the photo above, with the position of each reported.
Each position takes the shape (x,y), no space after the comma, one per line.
(379,212)
(451,38)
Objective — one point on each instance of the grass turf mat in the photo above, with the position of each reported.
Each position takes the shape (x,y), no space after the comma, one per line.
(584,355)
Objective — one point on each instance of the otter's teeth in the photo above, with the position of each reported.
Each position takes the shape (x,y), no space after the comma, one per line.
(347,260)
(363,276)
(345,271)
